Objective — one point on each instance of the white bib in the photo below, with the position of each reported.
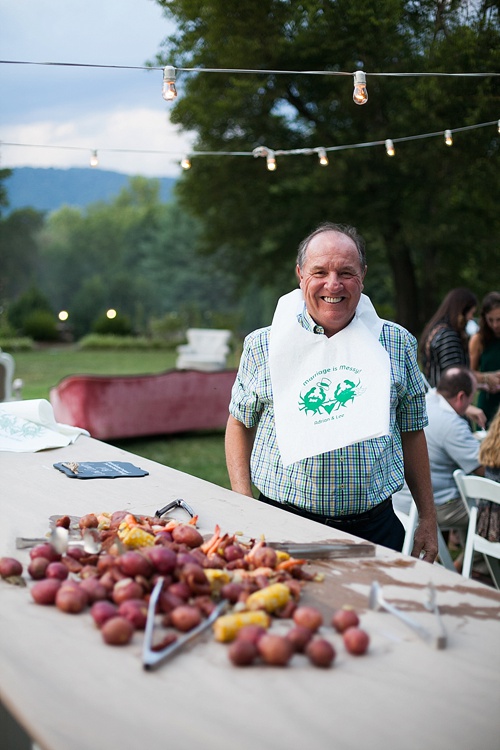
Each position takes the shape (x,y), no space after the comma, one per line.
(327,392)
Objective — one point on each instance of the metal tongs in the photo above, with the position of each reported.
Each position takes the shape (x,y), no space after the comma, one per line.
(179,503)
(377,601)
(152,658)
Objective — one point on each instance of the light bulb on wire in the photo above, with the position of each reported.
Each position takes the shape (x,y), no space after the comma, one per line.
(186,163)
(448,138)
(360,94)
(389,147)
(323,158)
(169,92)
(271,160)
(94,161)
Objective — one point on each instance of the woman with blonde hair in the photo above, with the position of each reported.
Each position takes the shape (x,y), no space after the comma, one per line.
(488,517)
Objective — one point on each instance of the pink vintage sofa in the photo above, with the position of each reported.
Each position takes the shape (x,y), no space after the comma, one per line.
(139,405)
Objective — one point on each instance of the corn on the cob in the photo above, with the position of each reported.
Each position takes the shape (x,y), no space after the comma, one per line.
(135,536)
(281,555)
(217,578)
(225,628)
(269,598)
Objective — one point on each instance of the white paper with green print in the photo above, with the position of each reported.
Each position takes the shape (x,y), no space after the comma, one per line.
(328,392)
(29,426)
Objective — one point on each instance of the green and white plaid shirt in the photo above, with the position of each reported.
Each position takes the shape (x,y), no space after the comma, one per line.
(349,480)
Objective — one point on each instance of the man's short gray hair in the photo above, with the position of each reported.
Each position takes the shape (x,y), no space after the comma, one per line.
(329,226)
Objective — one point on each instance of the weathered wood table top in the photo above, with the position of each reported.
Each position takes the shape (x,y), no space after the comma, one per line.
(71,692)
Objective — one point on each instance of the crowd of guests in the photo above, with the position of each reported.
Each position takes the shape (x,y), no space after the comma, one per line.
(463,373)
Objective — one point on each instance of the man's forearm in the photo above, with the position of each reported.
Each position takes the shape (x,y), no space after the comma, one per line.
(239,442)
(418,479)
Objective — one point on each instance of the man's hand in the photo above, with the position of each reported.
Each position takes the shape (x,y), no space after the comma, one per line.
(425,541)
(476,415)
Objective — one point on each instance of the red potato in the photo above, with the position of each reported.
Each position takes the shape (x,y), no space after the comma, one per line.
(44,592)
(234,552)
(168,601)
(180,589)
(89,521)
(242,653)
(344,618)
(299,636)
(9,566)
(308,617)
(320,652)
(185,617)
(64,522)
(117,631)
(164,560)
(127,588)
(56,570)
(102,611)
(187,534)
(163,537)
(45,550)
(135,610)
(232,591)
(264,557)
(356,641)
(251,632)
(275,649)
(71,599)
(135,564)
(94,589)
(37,568)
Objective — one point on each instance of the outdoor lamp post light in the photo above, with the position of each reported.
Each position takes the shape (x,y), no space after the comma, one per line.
(111,313)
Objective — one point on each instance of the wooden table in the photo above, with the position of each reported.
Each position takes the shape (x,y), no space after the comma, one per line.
(71,692)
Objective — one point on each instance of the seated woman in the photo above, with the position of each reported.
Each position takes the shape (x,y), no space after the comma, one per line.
(488,516)
(484,352)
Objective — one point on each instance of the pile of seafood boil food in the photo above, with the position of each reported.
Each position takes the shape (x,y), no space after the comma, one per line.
(264,623)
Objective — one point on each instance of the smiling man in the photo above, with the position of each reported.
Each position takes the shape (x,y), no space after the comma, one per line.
(328,408)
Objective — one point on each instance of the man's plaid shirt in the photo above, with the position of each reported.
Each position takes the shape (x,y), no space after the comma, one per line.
(349,480)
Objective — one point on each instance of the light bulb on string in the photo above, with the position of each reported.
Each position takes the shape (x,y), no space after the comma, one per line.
(360,93)
(94,161)
(169,92)
(271,160)
(186,163)
(498,126)
(323,158)
(389,147)
(448,138)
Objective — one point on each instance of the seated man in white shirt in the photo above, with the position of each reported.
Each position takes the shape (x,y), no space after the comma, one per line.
(451,446)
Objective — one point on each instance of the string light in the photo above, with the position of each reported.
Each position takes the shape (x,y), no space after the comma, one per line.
(389,147)
(94,161)
(168,91)
(186,163)
(271,160)
(323,158)
(360,94)
(263,150)
(448,138)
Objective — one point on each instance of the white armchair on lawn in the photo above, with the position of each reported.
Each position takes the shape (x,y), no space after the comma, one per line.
(207,349)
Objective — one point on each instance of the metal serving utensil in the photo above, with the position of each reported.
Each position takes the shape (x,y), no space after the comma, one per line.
(61,542)
(179,503)
(376,601)
(152,658)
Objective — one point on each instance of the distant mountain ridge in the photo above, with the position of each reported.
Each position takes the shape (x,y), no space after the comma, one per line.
(50,189)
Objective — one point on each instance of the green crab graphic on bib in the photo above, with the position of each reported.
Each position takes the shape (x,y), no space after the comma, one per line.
(317,400)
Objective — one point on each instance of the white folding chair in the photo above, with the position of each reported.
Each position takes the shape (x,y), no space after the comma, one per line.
(473,488)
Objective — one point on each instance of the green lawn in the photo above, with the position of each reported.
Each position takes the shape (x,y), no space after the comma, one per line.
(200,454)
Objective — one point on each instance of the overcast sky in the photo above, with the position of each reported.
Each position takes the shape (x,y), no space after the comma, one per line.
(88,108)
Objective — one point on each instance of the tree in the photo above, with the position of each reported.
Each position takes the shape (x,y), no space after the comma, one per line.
(429,214)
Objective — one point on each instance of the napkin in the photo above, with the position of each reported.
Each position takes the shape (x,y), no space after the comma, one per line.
(29,426)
